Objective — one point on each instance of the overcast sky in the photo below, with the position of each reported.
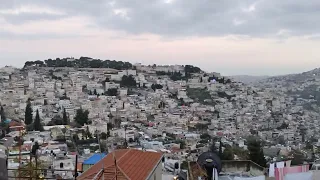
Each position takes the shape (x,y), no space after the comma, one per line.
(254,37)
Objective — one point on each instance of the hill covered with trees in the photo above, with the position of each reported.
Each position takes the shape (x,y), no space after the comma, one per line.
(82,62)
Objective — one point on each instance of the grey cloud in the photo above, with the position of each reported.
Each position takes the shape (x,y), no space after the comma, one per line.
(5,35)
(190,17)
(27,17)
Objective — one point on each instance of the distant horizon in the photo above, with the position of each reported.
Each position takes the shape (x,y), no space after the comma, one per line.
(20,65)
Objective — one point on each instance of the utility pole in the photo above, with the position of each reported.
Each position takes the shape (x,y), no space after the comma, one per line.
(76,167)
(20,138)
(102,168)
(125,136)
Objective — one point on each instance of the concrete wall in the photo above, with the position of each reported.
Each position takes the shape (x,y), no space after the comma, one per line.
(242,166)
(157,174)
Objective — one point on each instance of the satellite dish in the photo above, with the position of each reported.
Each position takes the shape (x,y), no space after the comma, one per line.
(208,161)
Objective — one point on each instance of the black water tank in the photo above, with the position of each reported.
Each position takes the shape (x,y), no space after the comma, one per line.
(208,161)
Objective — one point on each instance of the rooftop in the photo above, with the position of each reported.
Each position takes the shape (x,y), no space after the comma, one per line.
(130,164)
(94,158)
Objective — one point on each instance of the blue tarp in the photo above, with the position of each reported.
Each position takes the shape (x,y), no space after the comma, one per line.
(95,158)
(7,121)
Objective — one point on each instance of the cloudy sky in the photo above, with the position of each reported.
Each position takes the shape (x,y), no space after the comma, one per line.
(255,37)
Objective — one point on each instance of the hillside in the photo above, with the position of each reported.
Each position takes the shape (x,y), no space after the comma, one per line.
(247,79)
(88,62)
(303,87)
(82,62)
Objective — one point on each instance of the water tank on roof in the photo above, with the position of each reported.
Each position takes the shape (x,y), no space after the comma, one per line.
(208,161)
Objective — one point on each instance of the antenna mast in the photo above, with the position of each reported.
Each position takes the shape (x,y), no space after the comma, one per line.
(115,163)
(100,154)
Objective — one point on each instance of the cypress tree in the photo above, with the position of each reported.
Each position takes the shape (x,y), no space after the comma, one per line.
(81,117)
(3,116)
(5,127)
(256,152)
(37,123)
(65,117)
(28,114)
(220,149)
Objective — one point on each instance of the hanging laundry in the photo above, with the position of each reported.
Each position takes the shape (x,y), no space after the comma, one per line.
(288,163)
(280,164)
(216,176)
(271,170)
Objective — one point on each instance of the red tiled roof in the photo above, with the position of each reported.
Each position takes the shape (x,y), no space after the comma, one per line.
(131,164)
(15,123)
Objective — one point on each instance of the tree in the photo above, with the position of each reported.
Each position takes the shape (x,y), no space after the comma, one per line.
(64,131)
(75,137)
(103,135)
(162,105)
(112,92)
(45,102)
(298,158)
(117,122)
(82,117)
(201,127)
(65,118)
(256,152)
(4,126)
(64,97)
(37,122)
(175,76)
(281,140)
(35,148)
(213,147)
(156,86)
(95,92)
(228,81)
(220,148)
(2,113)
(109,126)
(284,125)
(128,81)
(28,114)
(88,133)
(82,62)
(182,144)
(56,120)
(189,69)
(227,154)
(31,170)
(205,136)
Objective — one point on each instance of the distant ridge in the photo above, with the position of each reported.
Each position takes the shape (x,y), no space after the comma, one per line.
(82,62)
(247,79)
